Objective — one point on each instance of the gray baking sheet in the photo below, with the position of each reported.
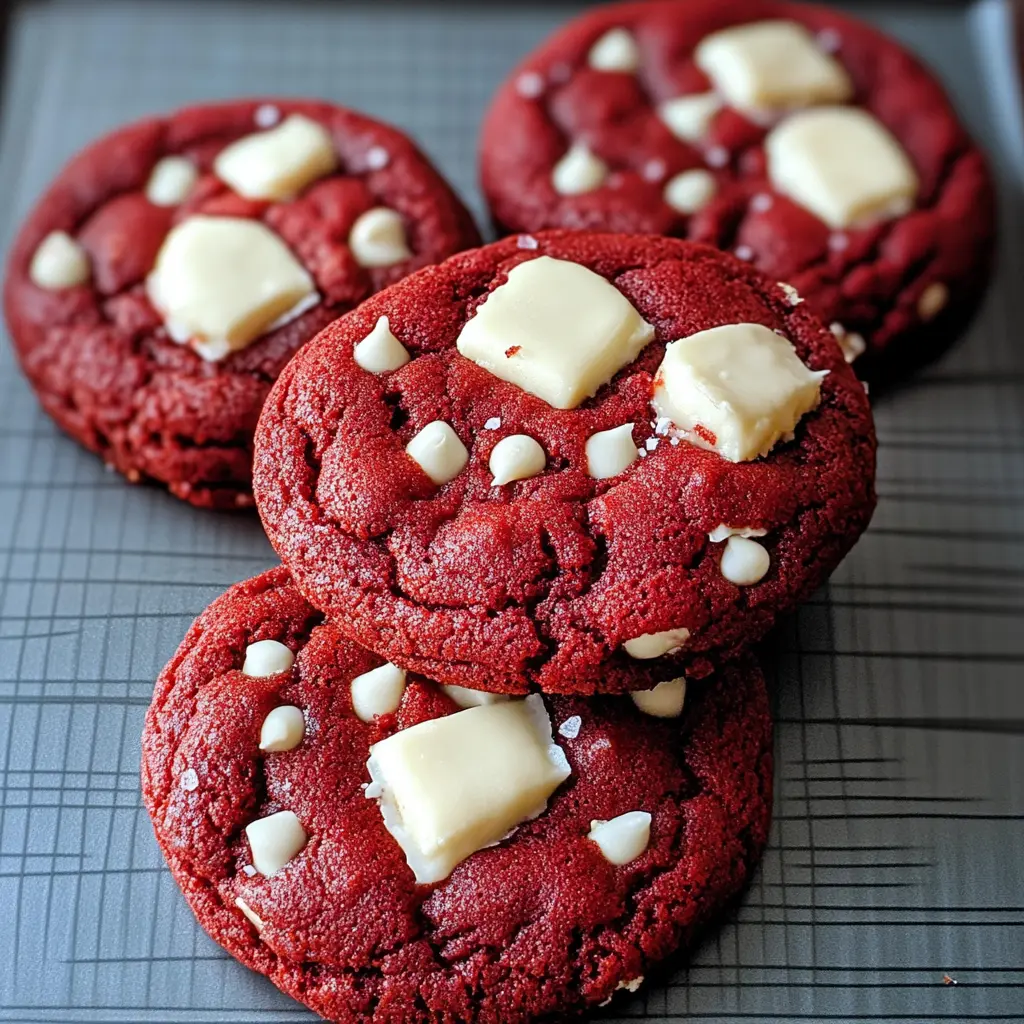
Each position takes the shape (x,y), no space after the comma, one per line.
(893,888)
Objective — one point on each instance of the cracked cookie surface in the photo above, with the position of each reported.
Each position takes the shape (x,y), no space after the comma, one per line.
(905,287)
(543,581)
(539,925)
(97,352)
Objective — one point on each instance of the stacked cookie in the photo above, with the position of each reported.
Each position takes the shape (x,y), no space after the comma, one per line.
(489,746)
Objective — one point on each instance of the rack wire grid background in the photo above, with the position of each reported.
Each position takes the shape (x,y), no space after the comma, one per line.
(893,887)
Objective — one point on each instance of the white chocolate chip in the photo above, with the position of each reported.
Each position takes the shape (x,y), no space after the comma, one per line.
(578,171)
(690,191)
(555,329)
(570,728)
(744,562)
(624,838)
(378,239)
(378,692)
(279,163)
(609,452)
(453,785)
(380,351)
(189,780)
(842,165)
(662,701)
(932,301)
(249,913)
(689,117)
(437,450)
(792,295)
(267,658)
(516,457)
(59,262)
(467,698)
(723,532)
(530,85)
(283,729)
(736,389)
(274,841)
(266,115)
(171,181)
(616,50)
(221,282)
(767,67)
(853,345)
(654,645)
(377,158)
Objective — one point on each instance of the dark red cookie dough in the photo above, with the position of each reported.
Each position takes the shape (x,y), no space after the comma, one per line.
(541,581)
(98,355)
(869,280)
(540,925)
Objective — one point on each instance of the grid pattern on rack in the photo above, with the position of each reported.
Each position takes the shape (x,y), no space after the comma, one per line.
(894,856)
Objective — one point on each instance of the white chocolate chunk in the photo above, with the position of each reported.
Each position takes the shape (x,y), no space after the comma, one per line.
(735,389)
(723,532)
(249,913)
(609,452)
(689,117)
(378,239)
(378,692)
(380,351)
(766,67)
(275,841)
(278,164)
(451,786)
(59,262)
(221,282)
(267,658)
(654,645)
(578,171)
(662,701)
(744,561)
(633,985)
(842,165)
(171,181)
(690,191)
(437,450)
(467,698)
(555,329)
(283,729)
(932,301)
(624,838)
(516,457)
(616,50)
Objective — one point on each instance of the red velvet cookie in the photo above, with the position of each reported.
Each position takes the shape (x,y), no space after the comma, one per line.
(552,920)
(451,518)
(317,209)
(729,122)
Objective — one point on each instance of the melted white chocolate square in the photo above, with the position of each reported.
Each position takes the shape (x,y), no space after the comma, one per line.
(842,165)
(555,329)
(279,163)
(765,67)
(735,389)
(453,785)
(221,282)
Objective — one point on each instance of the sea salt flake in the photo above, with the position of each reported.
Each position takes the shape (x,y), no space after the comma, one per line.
(189,780)
(570,728)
